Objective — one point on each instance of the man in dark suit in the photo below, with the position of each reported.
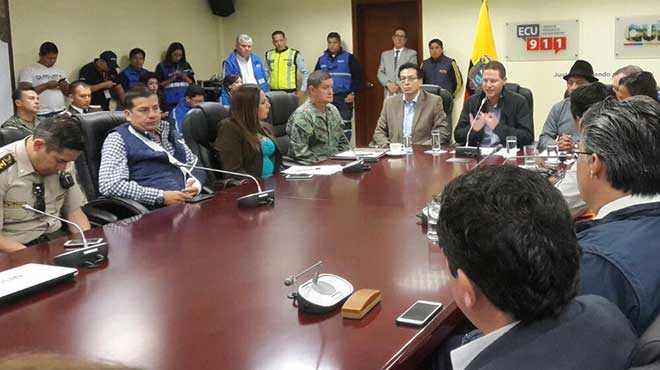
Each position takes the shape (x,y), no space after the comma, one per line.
(513,260)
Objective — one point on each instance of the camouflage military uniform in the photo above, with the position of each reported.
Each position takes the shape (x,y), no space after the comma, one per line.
(17,188)
(16,122)
(315,136)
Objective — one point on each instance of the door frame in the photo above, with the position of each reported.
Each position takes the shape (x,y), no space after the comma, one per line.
(359,136)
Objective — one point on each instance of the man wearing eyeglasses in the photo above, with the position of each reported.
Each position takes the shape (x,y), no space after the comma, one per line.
(38,171)
(413,114)
(391,60)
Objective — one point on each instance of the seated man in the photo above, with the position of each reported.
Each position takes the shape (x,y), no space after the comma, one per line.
(638,83)
(618,172)
(316,130)
(621,73)
(81,96)
(142,159)
(414,114)
(516,280)
(559,127)
(581,99)
(495,113)
(194,97)
(39,171)
(26,106)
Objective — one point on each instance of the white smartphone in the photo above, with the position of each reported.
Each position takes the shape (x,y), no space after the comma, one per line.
(419,313)
(77,243)
(299,176)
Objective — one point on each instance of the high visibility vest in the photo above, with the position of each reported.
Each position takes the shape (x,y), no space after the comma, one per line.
(282,69)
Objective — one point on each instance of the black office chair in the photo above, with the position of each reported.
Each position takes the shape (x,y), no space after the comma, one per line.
(525,92)
(646,354)
(9,135)
(282,105)
(200,129)
(447,100)
(95,128)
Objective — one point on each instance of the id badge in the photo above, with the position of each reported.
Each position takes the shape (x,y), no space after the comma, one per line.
(107,94)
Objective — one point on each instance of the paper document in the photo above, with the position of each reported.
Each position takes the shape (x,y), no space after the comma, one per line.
(360,152)
(324,170)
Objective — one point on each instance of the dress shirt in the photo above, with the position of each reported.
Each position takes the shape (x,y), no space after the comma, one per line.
(490,137)
(463,355)
(114,173)
(625,202)
(247,73)
(408,115)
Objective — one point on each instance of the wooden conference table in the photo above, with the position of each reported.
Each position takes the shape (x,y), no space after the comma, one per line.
(200,286)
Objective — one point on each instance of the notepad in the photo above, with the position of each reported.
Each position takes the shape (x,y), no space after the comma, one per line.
(30,277)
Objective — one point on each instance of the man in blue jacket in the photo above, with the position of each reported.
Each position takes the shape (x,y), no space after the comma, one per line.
(618,172)
(243,62)
(194,97)
(346,78)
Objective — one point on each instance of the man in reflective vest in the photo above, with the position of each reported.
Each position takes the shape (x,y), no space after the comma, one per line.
(346,77)
(284,64)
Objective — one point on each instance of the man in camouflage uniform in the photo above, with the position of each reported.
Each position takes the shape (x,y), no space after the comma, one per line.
(316,129)
(39,171)
(26,106)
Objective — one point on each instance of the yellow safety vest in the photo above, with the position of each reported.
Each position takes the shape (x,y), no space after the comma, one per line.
(282,69)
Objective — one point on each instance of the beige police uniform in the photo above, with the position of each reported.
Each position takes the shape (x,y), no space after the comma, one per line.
(17,176)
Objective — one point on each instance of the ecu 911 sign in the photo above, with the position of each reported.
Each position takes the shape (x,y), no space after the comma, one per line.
(542,40)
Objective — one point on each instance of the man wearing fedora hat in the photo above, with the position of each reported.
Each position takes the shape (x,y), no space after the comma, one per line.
(559,126)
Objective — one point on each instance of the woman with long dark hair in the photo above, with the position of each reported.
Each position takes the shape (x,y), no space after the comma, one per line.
(245,143)
(174,74)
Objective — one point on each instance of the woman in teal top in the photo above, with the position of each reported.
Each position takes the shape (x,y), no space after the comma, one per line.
(245,143)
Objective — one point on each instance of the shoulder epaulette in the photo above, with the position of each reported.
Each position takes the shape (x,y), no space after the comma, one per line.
(6,161)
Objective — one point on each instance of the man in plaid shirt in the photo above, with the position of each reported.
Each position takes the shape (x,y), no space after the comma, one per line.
(143,159)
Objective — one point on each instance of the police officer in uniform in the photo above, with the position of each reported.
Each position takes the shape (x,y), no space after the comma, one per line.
(38,171)
(284,64)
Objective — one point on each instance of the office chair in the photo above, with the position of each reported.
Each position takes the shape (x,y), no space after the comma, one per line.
(516,88)
(9,135)
(447,101)
(282,105)
(200,129)
(95,128)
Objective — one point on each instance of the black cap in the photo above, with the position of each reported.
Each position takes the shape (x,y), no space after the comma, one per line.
(582,68)
(110,58)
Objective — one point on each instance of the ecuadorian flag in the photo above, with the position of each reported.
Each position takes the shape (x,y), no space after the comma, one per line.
(483,51)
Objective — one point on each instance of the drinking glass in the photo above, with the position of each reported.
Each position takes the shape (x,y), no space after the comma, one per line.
(433,210)
(407,144)
(435,141)
(511,145)
(529,151)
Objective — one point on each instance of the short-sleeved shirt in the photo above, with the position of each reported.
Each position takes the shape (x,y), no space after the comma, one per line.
(17,177)
(15,122)
(92,76)
(51,100)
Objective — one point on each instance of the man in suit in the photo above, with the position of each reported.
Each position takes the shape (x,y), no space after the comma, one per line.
(516,280)
(391,60)
(489,117)
(81,97)
(414,114)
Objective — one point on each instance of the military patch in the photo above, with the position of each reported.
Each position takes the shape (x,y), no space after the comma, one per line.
(6,162)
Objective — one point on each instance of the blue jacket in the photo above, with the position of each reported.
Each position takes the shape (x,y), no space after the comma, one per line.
(620,255)
(177,89)
(224,97)
(130,76)
(232,68)
(340,69)
(179,112)
(152,168)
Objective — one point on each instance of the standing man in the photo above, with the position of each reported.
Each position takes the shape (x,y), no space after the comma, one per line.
(243,62)
(346,77)
(441,70)
(391,60)
(559,127)
(315,128)
(284,64)
(26,106)
(101,75)
(48,81)
(132,74)
(488,118)
(39,171)
(414,114)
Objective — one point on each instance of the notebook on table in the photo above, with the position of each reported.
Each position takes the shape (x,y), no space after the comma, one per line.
(31,277)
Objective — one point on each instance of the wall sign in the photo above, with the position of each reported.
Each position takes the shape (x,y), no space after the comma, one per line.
(637,37)
(542,40)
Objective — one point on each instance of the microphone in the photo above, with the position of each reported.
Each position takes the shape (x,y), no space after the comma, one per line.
(358,164)
(467,151)
(253,200)
(82,234)
(495,150)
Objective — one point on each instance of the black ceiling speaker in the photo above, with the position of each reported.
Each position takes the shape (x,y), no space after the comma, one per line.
(223,8)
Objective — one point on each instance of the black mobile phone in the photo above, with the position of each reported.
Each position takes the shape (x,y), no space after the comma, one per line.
(200,197)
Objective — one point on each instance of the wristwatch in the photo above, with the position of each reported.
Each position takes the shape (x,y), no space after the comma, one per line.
(160,200)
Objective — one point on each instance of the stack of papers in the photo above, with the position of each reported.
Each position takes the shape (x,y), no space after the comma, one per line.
(360,152)
(324,170)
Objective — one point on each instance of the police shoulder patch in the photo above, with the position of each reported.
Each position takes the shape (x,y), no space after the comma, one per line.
(6,161)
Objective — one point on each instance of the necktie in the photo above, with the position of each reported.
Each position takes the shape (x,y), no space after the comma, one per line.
(396,59)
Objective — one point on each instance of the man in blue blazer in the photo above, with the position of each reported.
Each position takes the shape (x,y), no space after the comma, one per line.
(243,62)
(513,259)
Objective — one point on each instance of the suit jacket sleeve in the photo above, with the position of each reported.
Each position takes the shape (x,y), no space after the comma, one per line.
(463,124)
(441,122)
(522,126)
(382,77)
(381,133)
(550,127)
(412,58)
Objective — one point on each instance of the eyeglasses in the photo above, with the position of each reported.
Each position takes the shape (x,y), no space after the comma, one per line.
(38,191)
(411,79)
